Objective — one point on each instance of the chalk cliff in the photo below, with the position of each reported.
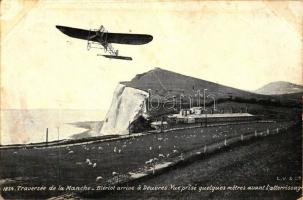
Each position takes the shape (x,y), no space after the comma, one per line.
(127,105)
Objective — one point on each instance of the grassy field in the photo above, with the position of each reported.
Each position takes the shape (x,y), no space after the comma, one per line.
(81,164)
(265,161)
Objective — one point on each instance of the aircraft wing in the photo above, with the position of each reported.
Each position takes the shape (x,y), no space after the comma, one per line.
(118,57)
(118,38)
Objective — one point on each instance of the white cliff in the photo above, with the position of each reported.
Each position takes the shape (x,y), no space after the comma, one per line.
(127,105)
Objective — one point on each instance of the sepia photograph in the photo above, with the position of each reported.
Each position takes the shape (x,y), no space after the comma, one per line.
(151,99)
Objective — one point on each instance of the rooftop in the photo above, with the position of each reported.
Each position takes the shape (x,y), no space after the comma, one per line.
(216,115)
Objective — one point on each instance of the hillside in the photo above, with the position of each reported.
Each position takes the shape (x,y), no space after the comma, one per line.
(167,84)
(159,92)
(279,87)
(164,82)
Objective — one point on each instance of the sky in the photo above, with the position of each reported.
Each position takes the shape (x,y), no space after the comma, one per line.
(243,44)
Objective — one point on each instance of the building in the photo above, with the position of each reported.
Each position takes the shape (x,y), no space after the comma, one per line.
(158,124)
(196,115)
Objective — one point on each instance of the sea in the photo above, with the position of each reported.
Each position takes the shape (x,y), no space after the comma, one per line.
(23,126)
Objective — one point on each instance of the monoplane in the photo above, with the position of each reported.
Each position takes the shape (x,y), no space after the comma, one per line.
(102,39)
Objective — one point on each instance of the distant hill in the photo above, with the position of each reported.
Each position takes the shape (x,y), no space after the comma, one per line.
(279,87)
(164,82)
(167,83)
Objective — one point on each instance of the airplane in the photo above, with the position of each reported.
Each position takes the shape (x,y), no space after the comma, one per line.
(103,39)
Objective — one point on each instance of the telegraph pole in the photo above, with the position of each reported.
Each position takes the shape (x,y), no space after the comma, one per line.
(58,137)
(204,91)
(46,137)
(129,128)
(58,158)
(205,119)
(161,125)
